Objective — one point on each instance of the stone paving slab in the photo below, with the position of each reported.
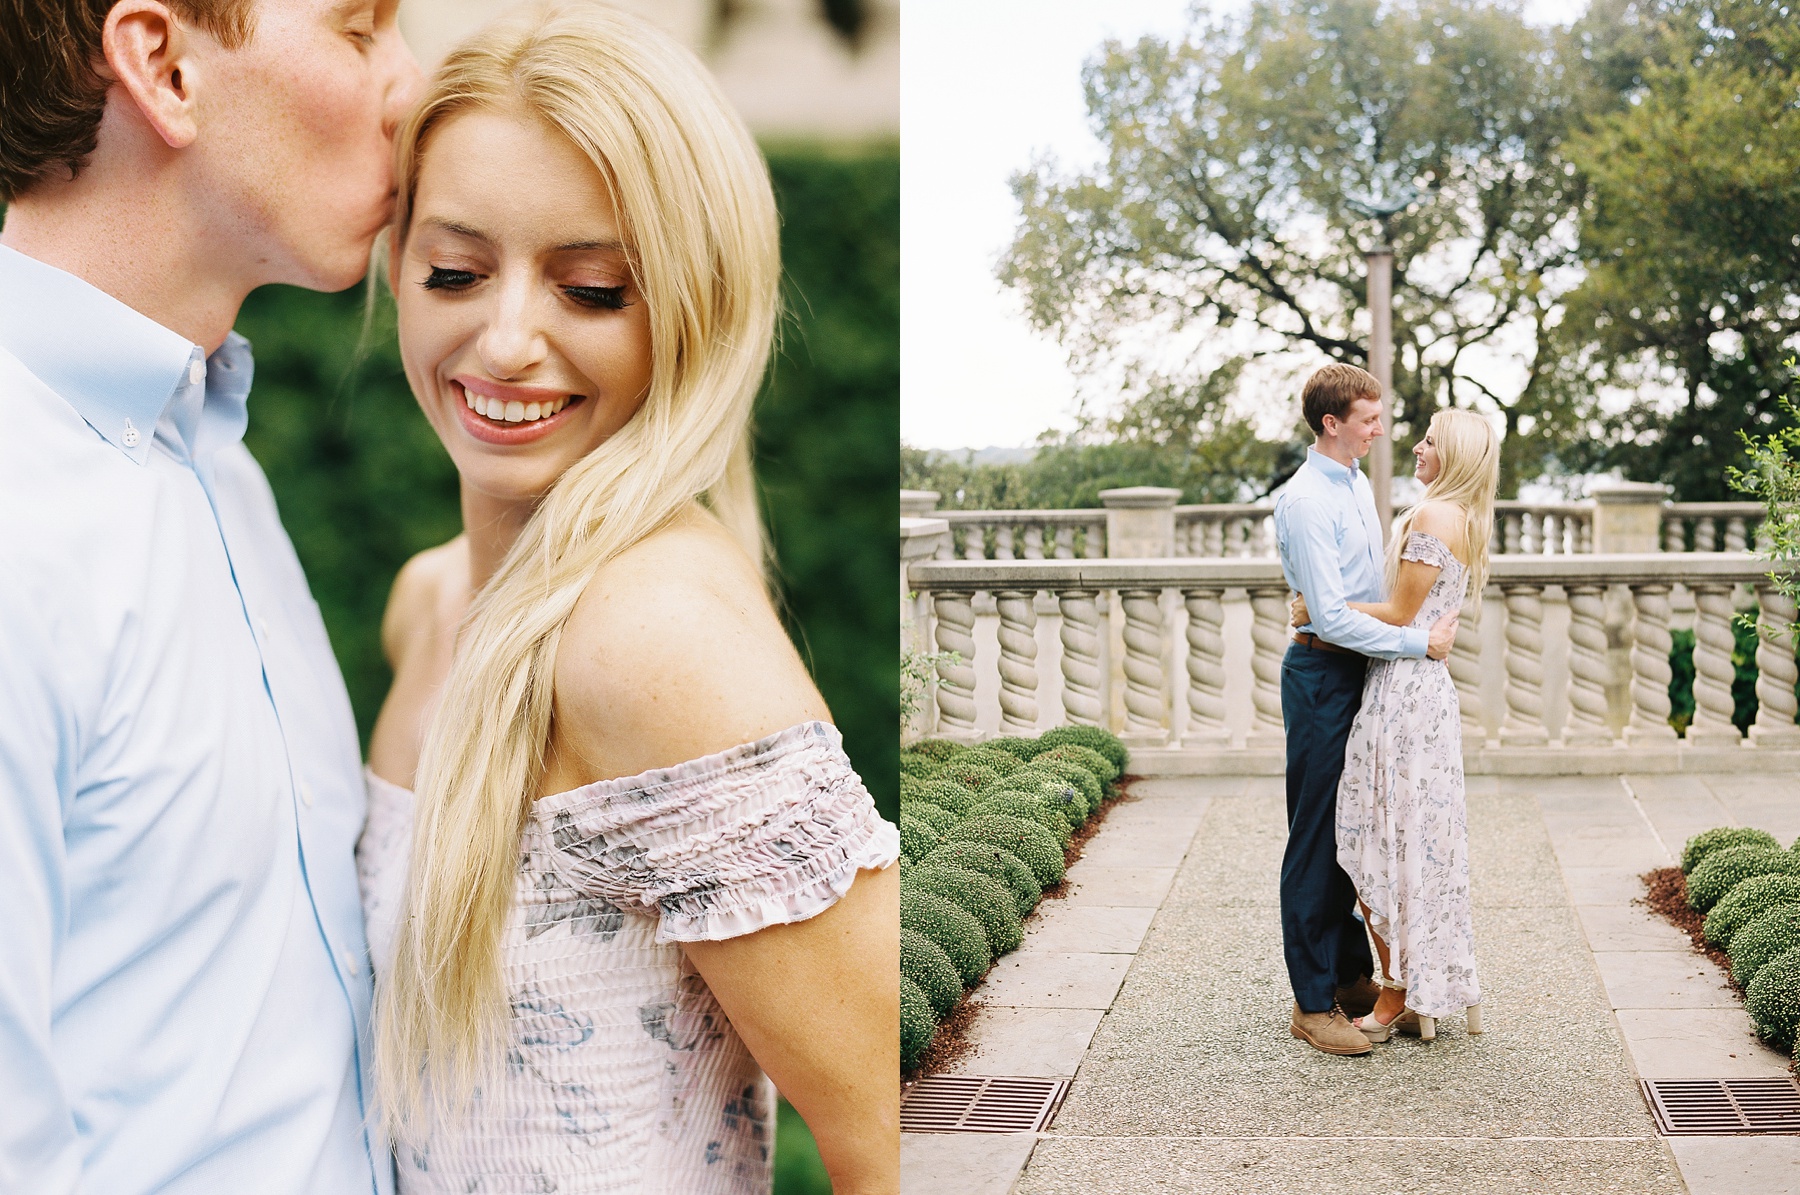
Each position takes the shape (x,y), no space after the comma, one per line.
(1722,1166)
(1649,979)
(962,1163)
(1631,927)
(1046,1043)
(1055,979)
(1698,1043)
(1090,929)
(1091,883)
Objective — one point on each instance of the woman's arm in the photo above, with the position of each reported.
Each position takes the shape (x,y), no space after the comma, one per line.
(1413,582)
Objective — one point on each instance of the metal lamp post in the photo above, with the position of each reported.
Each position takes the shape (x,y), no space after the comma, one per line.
(1380,262)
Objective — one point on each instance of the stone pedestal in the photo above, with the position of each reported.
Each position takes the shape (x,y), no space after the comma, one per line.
(1140,521)
(1628,516)
(918,504)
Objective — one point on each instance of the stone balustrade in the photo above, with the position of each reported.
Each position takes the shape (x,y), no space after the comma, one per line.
(1562,665)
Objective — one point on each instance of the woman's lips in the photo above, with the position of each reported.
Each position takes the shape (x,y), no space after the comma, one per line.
(497,414)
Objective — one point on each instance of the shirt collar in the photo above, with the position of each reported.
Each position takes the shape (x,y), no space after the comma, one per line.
(117,367)
(1344,474)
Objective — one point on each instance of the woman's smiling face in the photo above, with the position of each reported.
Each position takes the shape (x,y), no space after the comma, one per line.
(524,335)
(1426,464)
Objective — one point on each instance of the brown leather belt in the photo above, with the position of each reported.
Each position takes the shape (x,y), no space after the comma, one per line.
(1308,639)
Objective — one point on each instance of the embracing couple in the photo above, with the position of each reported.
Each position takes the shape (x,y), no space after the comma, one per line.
(613,864)
(1377,824)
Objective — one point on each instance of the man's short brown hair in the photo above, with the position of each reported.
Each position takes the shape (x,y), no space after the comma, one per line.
(1331,390)
(53,82)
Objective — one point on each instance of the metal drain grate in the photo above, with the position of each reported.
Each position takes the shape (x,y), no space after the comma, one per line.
(974,1104)
(1684,1106)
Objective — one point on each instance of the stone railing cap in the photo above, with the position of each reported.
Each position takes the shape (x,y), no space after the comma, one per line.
(1139,497)
(911,528)
(1631,491)
(918,502)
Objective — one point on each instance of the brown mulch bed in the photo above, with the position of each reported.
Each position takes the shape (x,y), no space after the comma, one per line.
(951,1042)
(1665,894)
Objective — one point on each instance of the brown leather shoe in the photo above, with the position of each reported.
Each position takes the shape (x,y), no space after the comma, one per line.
(1358,999)
(1329,1032)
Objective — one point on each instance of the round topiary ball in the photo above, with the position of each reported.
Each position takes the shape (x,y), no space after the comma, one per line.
(1035,846)
(1008,803)
(996,862)
(1091,737)
(948,794)
(935,816)
(1074,773)
(1724,869)
(1707,841)
(925,963)
(1052,788)
(955,931)
(985,756)
(917,838)
(910,787)
(1086,758)
(972,776)
(916,1024)
(1020,749)
(1745,900)
(982,897)
(942,750)
(1773,999)
(1767,935)
(919,767)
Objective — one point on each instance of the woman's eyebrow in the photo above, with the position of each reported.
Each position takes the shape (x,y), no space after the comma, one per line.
(616,246)
(462,230)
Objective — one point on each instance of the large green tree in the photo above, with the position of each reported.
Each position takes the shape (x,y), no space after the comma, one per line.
(1222,209)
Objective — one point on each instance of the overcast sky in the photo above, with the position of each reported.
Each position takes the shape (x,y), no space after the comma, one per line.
(985,86)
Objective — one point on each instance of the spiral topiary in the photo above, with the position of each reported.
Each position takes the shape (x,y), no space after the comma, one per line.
(1035,846)
(1747,899)
(1020,749)
(1707,841)
(1074,773)
(982,897)
(995,862)
(984,756)
(917,838)
(1773,999)
(1767,935)
(935,816)
(916,1024)
(955,931)
(1008,803)
(919,767)
(972,776)
(1722,870)
(925,963)
(942,750)
(1051,787)
(1091,737)
(1086,758)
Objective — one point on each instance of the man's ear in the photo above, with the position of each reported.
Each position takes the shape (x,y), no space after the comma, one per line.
(146,49)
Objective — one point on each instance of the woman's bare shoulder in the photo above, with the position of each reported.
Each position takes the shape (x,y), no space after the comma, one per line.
(425,588)
(1445,520)
(675,651)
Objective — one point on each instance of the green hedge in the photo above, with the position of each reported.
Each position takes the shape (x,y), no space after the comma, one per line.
(1746,900)
(1753,891)
(1722,870)
(363,484)
(1707,841)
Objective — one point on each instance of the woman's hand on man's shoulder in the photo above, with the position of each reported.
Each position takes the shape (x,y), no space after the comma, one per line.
(674,652)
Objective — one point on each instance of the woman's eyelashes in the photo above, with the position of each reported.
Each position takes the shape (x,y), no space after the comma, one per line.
(612,298)
(442,279)
(607,298)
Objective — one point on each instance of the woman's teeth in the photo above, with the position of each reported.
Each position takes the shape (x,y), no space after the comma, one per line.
(513,412)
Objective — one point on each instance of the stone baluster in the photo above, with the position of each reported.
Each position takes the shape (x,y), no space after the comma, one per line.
(1705,534)
(1650,665)
(1510,522)
(946,547)
(1065,542)
(1763,540)
(1206,668)
(1586,725)
(1584,530)
(1003,542)
(1094,546)
(974,541)
(1144,709)
(1465,670)
(1530,537)
(1080,655)
(1018,660)
(1268,642)
(1674,534)
(1261,540)
(1735,539)
(1553,534)
(956,633)
(1713,671)
(1215,538)
(1034,541)
(1776,671)
(1524,724)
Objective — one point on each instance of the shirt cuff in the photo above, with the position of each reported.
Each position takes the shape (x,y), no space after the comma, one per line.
(1415,641)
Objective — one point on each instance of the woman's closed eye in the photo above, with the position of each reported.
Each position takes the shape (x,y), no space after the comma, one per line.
(609,298)
(444,279)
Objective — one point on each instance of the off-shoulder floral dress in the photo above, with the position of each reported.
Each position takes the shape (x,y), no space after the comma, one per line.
(622,1073)
(1402,820)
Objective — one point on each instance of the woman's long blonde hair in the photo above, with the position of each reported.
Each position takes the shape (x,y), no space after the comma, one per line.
(1468,475)
(699,214)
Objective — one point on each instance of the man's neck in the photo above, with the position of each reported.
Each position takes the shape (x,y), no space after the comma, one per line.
(1334,449)
(157,261)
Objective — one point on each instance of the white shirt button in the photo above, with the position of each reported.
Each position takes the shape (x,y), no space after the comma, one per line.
(349,961)
(196,372)
(130,437)
(262,627)
(306,797)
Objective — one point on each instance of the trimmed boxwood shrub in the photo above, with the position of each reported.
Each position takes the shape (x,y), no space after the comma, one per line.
(1053,789)
(982,897)
(920,767)
(948,794)
(1707,841)
(997,862)
(942,750)
(1035,846)
(935,816)
(911,787)
(1091,737)
(1010,803)
(916,1024)
(925,963)
(1722,870)
(958,933)
(972,776)
(1773,999)
(1003,762)
(1086,758)
(1767,935)
(1021,749)
(1755,895)
(1074,773)
(917,838)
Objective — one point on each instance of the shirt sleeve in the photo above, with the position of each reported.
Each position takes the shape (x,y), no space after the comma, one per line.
(1313,561)
(39,1150)
(768,833)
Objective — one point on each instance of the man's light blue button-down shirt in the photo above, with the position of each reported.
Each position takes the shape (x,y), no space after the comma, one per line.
(1329,535)
(184,984)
